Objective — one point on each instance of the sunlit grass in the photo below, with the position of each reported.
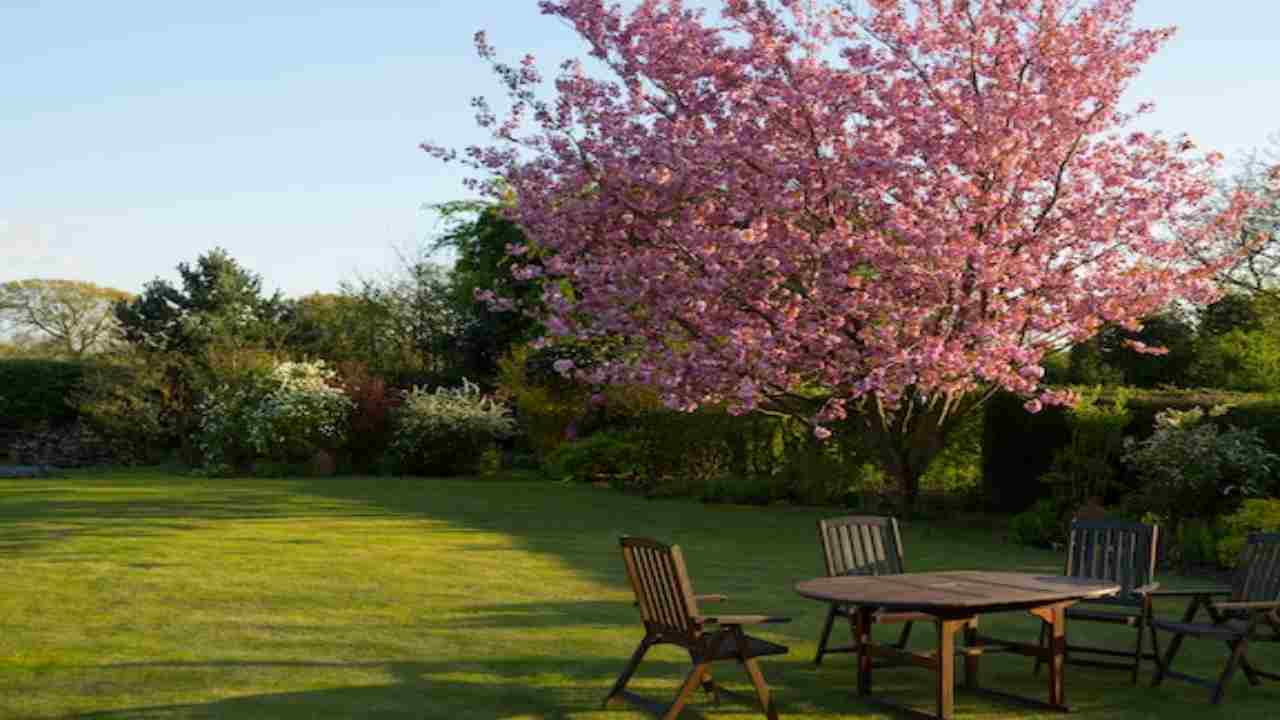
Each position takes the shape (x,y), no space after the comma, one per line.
(153,595)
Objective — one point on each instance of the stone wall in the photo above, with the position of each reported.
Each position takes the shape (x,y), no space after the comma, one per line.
(68,446)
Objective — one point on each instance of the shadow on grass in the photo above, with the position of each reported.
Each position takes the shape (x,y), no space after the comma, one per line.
(508,688)
(554,688)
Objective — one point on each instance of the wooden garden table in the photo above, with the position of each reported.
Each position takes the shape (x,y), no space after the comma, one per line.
(955,600)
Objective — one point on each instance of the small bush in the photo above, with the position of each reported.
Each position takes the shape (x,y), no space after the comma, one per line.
(548,412)
(283,413)
(1040,526)
(373,404)
(446,432)
(1257,515)
(302,411)
(608,456)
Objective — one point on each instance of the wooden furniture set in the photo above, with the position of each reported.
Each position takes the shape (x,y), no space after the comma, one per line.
(1108,578)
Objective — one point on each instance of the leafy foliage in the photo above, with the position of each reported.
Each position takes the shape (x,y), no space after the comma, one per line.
(218,297)
(483,287)
(1254,515)
(448,431)
(281,412)
(1087,466)
(303,411)
(129,400)
(1191,468)
(71,318)
(614,457)
(1041,525)
(38,391)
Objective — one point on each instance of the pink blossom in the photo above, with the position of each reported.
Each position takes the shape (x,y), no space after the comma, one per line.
(901,201)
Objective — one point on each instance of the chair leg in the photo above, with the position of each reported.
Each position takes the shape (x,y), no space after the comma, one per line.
(621,683)
(709,685)
(762,688)
(1044,643)
(1137,652)
(904,637)
(826,636)
(1155,643)
(1238,646)
(1250,671)
(1162,666)
(691,683)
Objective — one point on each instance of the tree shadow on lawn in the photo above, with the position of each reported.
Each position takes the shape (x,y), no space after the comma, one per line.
(33,517)
(510,688)
(553,687)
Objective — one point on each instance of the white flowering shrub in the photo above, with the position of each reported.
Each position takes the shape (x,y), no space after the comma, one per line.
(448,431)
(285,413)
(304,410)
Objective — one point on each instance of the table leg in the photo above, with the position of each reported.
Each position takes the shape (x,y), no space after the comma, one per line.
(864,650)
(972,641)
(1057,663)
(946,667)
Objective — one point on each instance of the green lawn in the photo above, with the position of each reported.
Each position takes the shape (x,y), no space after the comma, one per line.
(146,595)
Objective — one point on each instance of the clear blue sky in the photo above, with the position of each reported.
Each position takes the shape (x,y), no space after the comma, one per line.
(135,135)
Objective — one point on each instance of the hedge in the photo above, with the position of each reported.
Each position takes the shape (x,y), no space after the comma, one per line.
(33,392)
(1018,447)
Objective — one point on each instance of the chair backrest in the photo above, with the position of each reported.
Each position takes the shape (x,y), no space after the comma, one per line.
(661,584)
(1258,576)
(861,545)
(1113,551)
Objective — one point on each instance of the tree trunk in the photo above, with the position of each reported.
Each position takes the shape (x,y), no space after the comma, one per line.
(911,436)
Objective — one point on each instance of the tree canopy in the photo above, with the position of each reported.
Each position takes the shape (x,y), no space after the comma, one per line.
(892,211)
(66,317)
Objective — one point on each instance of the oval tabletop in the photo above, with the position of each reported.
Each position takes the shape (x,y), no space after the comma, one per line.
(970,591)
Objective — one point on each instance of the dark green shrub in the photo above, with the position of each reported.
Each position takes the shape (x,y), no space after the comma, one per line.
(1041,525)
(608,456)
(1257,515)
(33,392)
(130,401)
(741,491)
(1087,466)
(1018,447)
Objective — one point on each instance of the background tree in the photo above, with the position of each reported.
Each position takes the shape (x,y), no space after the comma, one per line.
(66,317)
(1248,256)
(218,299)
(885,214)
(1109,358)
(480,235)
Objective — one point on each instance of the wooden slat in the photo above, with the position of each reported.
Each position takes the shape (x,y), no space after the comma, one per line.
(952,590)
(1108,550)
(861,545)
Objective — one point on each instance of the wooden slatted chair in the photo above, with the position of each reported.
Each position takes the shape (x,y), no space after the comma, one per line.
(1123,553)
(1253,606)
(671,615)
(862,545)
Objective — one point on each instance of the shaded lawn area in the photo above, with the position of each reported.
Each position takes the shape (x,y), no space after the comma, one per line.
(152,595)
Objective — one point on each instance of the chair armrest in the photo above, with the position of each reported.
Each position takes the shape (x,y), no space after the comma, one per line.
(1265,605)
(710,598)
(1147,589)
(743,619)
(1203,592)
